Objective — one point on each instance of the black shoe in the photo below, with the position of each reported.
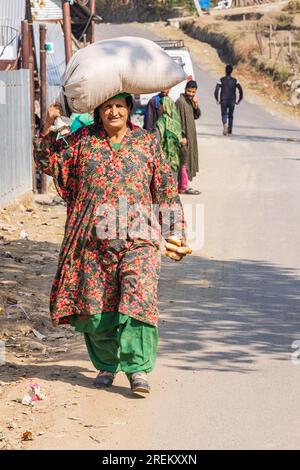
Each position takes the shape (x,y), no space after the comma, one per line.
(104,379)
(139,383)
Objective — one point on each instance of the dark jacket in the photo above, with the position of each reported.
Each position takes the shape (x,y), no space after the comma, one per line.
(228,86)
(153,113)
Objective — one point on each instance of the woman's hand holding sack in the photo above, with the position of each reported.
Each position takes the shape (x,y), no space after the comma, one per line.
(54,112)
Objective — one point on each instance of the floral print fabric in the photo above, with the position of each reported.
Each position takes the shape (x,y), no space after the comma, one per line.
(117,265)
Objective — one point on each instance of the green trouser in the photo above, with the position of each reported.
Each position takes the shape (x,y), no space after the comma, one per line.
(117,342)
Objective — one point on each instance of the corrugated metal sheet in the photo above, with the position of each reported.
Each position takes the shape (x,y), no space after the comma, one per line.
(52,94)
(46,10)
(12,9)
(55,62)
(8,30)
(12,12)
(15,135)
(10,35)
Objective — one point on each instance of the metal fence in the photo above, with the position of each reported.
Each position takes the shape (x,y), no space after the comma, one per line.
(15,135)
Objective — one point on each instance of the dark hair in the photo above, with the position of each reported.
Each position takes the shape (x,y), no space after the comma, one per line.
(66,105)
(129,104)
(228,69)
(191,84)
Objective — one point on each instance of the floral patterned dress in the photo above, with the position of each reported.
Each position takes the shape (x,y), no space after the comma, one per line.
(117,266)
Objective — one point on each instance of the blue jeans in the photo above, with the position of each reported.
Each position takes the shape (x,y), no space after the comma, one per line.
(227,110)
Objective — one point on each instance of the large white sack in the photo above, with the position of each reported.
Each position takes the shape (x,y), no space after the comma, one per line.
(125,64)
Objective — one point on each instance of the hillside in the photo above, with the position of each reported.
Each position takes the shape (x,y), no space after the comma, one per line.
(266,42)
(119,11)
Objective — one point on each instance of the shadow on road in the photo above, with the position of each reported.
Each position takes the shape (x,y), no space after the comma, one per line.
(216,315)
(250,138)
(223,315)
(239,126)
(74,375)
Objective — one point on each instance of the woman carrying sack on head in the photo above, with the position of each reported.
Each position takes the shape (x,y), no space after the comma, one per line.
(106,280)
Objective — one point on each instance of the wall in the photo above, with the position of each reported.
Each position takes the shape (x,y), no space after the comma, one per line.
(15,135)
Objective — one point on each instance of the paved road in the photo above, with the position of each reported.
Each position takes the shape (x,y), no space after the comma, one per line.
(224,377)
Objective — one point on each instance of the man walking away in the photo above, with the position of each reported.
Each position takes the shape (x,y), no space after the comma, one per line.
(189,111)
(225,94)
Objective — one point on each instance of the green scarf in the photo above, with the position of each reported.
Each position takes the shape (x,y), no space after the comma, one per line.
(80,120)
(170,130)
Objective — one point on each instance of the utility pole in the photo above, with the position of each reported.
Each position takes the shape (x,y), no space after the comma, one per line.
(67,29)
(43,90)
(31,64)
(31,71)
(25,45)
(27,64)
(93,11)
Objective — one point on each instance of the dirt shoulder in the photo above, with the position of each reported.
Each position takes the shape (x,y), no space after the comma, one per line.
(31,231)
(73,414)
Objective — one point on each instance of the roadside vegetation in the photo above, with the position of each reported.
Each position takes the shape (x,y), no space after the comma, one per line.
(267,42)
(135,10)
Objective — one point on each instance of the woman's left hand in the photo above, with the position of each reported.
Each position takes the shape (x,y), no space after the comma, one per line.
(177,249)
